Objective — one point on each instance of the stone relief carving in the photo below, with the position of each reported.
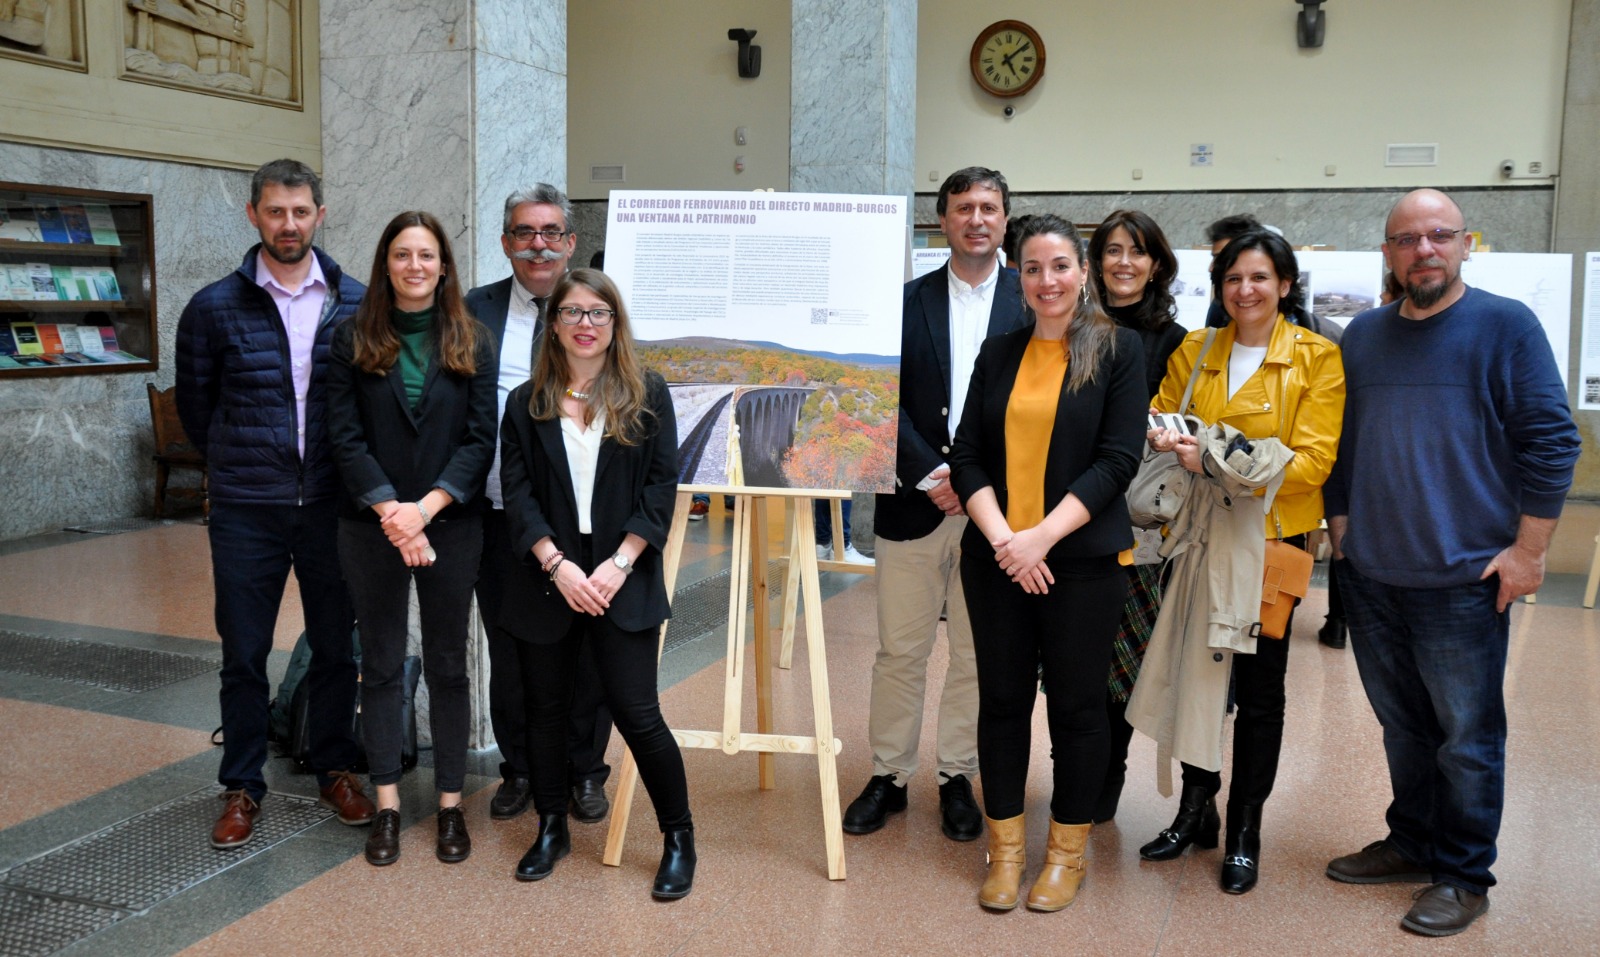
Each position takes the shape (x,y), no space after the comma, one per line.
(248,49)
(44,31)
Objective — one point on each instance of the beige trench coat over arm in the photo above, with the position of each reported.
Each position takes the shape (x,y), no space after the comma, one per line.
(1209,604)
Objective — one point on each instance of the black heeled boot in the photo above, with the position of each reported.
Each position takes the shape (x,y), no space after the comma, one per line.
(675,876)
(1197,823)
(1241,862)
(553,843)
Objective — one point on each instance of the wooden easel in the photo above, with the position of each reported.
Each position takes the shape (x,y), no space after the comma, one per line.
(747,570)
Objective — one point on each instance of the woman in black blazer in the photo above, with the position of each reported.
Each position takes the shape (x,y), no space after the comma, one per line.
(411,404)
(1050,437)
(589,466)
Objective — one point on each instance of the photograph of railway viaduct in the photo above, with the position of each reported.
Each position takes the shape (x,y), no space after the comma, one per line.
(805,419)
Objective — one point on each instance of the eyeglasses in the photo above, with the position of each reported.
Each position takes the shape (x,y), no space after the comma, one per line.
(1436,237)
(523,235)
(572,315)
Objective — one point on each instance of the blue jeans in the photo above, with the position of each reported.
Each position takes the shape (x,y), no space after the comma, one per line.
(822,522)
(1433,661)
(253,548)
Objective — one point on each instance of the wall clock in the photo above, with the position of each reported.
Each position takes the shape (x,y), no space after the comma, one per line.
(1007,58)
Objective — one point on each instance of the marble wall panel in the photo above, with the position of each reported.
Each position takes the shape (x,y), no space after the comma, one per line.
(96,429)
(396,136)
(520,119)
(532,32)
(1513,219)
(390,27)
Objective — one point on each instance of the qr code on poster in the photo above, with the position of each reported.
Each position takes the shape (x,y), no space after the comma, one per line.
(819,316)
(1591,390)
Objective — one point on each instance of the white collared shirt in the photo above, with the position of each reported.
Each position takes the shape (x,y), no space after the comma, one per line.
(969,326)
(583,458)
(301,312)
(516,367)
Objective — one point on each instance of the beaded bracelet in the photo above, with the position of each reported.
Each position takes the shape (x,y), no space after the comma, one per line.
(549,563)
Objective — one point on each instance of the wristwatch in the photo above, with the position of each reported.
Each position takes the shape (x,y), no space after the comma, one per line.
(621,561)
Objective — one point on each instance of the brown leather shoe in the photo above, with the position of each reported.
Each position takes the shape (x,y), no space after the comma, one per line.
(383,844)
(237,822)
(345,797)
(453,844)
(1444,909)
(1377,863)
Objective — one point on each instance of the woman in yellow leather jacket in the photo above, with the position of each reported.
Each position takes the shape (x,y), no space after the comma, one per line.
(1265,377)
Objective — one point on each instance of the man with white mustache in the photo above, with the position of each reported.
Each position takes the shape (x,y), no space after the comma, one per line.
(538,243)
(1457,453)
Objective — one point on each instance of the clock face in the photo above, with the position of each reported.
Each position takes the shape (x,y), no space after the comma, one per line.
(1007,58)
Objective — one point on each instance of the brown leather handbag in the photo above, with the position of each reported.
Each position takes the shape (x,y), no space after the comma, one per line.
(1286,575)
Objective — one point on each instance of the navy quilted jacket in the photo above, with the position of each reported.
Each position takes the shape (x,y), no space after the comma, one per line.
(236,392)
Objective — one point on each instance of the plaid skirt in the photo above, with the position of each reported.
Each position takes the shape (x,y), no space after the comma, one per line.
(1133,634)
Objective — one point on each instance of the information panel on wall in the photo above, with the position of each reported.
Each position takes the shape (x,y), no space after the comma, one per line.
(778,313)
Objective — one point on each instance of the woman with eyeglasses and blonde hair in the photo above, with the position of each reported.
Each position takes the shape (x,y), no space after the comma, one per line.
(411,403)
(589,466)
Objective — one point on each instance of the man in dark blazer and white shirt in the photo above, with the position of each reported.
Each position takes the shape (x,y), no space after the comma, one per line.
(945,318)
(538,240)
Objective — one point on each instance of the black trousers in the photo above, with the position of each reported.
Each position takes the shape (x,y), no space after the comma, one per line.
(380,590)
(1258,724)
(626,663)
(589,730)
(1068,632)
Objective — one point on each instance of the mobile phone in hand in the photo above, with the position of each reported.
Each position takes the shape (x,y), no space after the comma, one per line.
(1169,420)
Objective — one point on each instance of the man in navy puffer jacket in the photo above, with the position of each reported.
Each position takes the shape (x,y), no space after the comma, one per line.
(252,373)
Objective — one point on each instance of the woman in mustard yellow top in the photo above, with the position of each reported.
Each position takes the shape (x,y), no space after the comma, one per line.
(1050,438)
(1265,377)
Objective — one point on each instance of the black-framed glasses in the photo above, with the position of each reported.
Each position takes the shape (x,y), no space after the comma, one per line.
(572,315)
(523,235)
(1436,237)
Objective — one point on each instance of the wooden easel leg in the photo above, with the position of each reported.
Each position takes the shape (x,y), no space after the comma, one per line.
(1594,576)
(821,703)
(791,591)
(738,598)
(628,776)
(766,771)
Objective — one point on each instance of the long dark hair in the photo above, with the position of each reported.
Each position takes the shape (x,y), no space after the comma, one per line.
(1156,306)
(1092,335)
(1276,249)
(618,389)
(455,332)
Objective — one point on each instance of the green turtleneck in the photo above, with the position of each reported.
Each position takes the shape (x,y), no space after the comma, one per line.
(416,349)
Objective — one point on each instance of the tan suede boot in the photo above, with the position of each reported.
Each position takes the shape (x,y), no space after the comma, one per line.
(1002,888)
(1058,883)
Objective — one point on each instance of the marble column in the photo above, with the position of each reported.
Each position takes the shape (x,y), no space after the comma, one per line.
(1577,227)
(448,107)
(853,117)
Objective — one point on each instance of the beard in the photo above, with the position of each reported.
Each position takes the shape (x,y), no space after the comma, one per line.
(288,255)
(1426,295)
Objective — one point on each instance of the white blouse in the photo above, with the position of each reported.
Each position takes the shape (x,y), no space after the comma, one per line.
(583,456)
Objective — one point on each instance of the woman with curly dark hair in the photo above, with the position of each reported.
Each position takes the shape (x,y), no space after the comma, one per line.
(411,403)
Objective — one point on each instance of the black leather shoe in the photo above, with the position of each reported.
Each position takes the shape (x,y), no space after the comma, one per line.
(879,799)
(589,804)
(1332,633)
(1444,909)
(1241,860)
(510,799)
(383,844)
(453,844)
(675,876)
(1197,823)
(553,843)
(959,816)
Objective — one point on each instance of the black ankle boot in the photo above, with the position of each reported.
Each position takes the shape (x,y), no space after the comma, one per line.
(552,844)
(675,876)
(1241,860)
(1332,632)
(1197,823)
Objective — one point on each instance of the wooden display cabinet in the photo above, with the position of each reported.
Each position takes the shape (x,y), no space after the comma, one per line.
(77,281)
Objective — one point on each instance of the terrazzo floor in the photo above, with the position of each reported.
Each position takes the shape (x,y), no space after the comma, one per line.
(78,759)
